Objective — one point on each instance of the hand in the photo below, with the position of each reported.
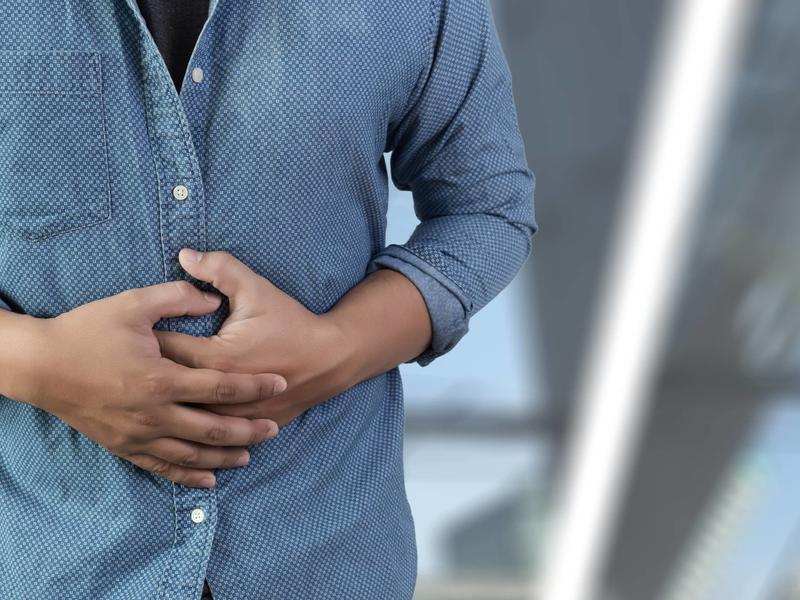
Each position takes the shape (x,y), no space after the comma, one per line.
(99,369)
(267,331)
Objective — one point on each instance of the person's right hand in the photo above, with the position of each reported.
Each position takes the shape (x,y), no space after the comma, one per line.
(99,369)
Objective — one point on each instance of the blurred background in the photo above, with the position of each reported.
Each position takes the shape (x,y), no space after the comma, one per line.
(712,506)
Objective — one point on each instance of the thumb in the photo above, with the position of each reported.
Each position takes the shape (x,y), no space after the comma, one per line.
(221,269)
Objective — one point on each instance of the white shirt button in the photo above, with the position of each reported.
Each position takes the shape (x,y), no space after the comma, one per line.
(180,192)
(197,74)
(198,515)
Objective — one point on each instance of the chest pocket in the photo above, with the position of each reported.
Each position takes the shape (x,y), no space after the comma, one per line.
(54,174)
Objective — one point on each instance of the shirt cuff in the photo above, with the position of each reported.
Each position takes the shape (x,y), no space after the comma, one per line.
(449,307)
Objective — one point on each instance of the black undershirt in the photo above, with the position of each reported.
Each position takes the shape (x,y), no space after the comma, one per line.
(175,26)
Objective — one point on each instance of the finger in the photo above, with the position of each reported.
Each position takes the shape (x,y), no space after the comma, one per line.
(172,299)
(196,456)
(189,350)
(203,426)
(221,269)
(209,386)
(183,475)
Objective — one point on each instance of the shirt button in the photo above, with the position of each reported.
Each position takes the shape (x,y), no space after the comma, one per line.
(180,192)
(198,515)
(197,74)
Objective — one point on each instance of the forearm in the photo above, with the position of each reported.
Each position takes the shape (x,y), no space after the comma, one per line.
(383,322)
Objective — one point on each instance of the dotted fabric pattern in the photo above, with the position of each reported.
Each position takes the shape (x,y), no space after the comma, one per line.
(281,146)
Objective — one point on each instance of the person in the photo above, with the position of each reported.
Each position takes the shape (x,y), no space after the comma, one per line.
(203,324)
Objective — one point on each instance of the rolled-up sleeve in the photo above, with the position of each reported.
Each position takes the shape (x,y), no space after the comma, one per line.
(458,149)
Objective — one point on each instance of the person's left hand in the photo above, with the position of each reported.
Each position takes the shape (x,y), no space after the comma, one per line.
(267,331)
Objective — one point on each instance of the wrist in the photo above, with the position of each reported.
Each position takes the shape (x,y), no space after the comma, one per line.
(22,342)
(339,351)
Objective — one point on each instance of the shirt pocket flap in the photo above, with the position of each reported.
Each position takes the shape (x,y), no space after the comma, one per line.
(49,72)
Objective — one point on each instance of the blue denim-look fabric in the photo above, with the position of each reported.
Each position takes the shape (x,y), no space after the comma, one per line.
(281,146)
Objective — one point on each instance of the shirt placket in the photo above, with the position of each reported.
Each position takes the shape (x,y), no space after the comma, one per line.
(181,206)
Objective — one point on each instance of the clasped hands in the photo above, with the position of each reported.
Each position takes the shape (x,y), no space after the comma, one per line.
(176,405)
(181,406)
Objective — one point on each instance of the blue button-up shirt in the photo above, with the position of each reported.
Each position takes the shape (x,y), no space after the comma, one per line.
(281,147)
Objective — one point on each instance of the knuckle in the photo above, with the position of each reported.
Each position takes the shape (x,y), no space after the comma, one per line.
(119,443)
(116,448)
(217,433)
(145,419)
(191,457)
(225,392)
(121,390)
(160,467)
(157,385)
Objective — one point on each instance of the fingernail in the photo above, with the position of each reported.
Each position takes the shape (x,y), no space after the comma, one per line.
(208,481)
(242,460)
(211,298)
(272,430)
(190,255)
(279,386)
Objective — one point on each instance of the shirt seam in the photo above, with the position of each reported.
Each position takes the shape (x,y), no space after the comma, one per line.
(422,80)
(170,558)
